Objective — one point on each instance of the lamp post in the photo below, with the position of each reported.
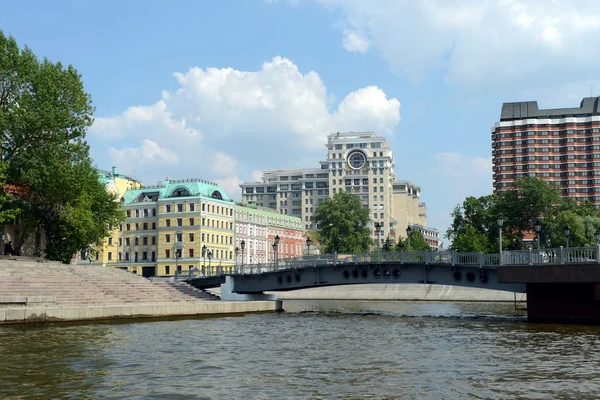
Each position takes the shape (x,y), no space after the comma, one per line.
(538,229)
(276,250)
(177,250)
(209,255)
(308,243)
(243,246)
(204,260)
(377,232)
(236,250)
(408,232)
(500,222)
(567,231)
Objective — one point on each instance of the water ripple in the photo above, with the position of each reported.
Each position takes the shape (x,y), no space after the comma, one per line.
(317,350)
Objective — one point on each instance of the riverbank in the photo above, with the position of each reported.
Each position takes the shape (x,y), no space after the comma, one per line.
(401,292)
(37,291)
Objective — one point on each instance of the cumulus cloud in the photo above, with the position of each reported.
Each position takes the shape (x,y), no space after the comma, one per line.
(476,41)
(222,122)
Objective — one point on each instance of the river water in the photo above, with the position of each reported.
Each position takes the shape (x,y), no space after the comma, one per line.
(315,350)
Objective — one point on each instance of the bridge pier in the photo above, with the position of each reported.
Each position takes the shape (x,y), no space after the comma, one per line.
(558,293)
(228,294)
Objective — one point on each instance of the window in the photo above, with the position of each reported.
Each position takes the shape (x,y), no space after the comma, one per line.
(179,237)
(153,256)
(136,241)
(191,221)
(109,256)
(144,256)
(167,253)
(145,226)
(168,208)
(192,206)
(127,241)
(168,222)
(168,238)
(191,252)
(179,222)
(145,240)
(110,241)
(153,239)
(191,237)
(167,270)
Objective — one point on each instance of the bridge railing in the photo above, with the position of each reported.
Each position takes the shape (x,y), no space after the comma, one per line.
(551,256)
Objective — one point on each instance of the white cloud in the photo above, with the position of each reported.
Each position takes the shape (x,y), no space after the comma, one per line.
(477,41)
(221,122)
(224,164)
(355,41)
(148,153)
(231,186)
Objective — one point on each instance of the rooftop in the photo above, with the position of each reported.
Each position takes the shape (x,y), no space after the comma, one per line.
(173,188)
(529,109)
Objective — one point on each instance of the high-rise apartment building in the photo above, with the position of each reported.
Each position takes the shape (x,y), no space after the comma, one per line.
(360,163)
(561,146)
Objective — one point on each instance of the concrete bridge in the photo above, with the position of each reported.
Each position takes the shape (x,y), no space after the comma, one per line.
(535,272)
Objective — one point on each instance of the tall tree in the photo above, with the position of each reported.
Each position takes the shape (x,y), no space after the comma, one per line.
(343,224)
(474,225)
(7,209)
(417,242)
(44,114)
(388,245)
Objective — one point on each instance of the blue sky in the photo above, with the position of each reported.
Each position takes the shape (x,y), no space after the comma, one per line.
(223,89)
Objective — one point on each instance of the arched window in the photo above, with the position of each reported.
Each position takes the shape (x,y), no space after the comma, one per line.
(216,195)
(180,192)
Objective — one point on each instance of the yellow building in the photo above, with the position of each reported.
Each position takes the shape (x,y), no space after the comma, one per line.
(118,184)
(175,226)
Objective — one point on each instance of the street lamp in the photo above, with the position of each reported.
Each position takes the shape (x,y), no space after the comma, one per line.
(500,223)
(243,246)
(538,229)
(308,243)
(597,236)
(377,232)
(177,249)
(567,234)
(408,232)
(204,260)
(237,250)
(275,250)
(209,255)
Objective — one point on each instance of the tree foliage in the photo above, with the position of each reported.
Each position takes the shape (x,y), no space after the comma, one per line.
(44,114)
(475,228)
(343,224)
(7,209)
(417,242)
(388,245)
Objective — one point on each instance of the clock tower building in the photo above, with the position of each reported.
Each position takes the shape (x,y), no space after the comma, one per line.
(362,163)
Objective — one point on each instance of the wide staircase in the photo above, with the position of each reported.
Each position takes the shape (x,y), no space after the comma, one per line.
(71,285)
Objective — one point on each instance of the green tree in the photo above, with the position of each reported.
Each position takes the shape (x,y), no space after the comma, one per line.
(388,245)
(7,208)
(343,224)
(44,114)
(417,242)
(400,244)
(474,225)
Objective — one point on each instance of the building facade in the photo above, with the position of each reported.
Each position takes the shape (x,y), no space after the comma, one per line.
(257,227)
(176,225)
(560,146)
(360,163)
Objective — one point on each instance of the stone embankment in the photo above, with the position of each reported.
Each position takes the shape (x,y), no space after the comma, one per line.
(33,290)
(400,292)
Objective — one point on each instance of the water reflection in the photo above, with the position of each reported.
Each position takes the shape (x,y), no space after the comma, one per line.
(314,350)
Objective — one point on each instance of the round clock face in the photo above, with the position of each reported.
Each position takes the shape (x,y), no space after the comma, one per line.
(357,160)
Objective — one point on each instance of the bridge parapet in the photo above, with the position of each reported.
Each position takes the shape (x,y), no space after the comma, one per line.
(550,256)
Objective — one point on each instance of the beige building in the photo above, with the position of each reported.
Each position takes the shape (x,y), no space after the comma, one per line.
(361,163)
